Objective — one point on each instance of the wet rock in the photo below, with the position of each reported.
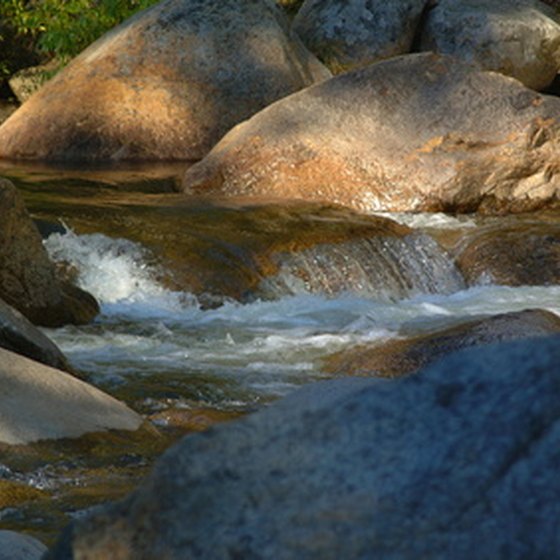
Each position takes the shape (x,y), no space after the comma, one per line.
(20,336)
(38,402)
(519,38)
(28,280)
(352,34)
(418,132)
(387,266)
(400,357)
(527,254)
(17,546)
(165,84)
(459,458)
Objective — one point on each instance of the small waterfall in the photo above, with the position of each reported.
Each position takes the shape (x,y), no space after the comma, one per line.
(385,267)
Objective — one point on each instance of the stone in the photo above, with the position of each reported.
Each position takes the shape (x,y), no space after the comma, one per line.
(420,132)
(165,84)
(27,81)
(28,280)
(349,34)
(519,38)
(462,457)
(395,358)
(18,335)
(38,402)
(520,254)
(17,546)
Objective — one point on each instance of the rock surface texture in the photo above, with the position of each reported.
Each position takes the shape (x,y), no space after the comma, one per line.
(351,34)
(38,402)
(525,255)
(404,356)
(519,38)
(417,132)
(461,457)
(28,280)
(15,546)
(166,84)
(18,335)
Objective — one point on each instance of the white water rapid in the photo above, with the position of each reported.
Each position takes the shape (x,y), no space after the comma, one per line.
(238,353)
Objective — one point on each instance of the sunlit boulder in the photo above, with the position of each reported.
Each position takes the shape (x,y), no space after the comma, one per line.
(165,84)
(419,132)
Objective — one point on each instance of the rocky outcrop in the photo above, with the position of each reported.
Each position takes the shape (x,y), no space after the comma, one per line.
(38,402)
(352,34)
(20,336)
(166,84)
(519,254)
(403,356)
(519,38)
(429,466)
(17,546)
(28,280)
(418,132)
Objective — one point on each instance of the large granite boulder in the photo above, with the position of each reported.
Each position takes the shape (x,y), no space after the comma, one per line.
(352,34)
(519,38)
(38,402)
(417,132)
(20,336)
(460,458)
(28,280)
(165,84)
(407,355)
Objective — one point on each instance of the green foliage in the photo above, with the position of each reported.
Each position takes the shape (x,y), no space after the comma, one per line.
(63,28)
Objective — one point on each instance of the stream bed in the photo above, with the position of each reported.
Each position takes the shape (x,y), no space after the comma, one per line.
(211,309)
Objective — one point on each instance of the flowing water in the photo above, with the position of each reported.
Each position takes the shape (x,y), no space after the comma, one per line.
(210,310)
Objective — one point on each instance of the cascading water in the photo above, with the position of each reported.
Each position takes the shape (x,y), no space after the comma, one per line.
(153,340)
(385,268)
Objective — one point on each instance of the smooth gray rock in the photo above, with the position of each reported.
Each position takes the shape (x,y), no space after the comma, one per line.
(519,38)
(16,546)
(348,34)
(462,457)
(22,337)
(38,402)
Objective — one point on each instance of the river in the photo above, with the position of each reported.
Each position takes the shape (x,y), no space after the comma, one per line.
(194,329)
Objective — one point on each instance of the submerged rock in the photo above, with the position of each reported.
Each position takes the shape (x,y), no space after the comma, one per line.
(524,254)
(17,546)
(418,132)
(519,38)
(400,357)
(459,458)
(38,402)
(28,280)
(22,337)
(352,34)
(165,84)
